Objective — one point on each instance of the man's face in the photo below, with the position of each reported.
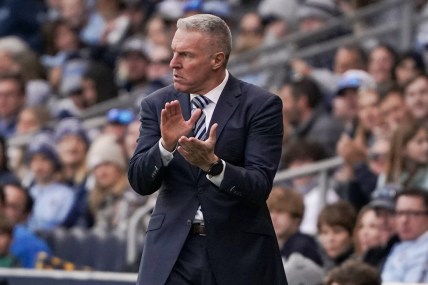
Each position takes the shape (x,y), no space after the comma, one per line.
(346,59)
(15,201)
(411,217)
(416,98)
(335,239)
(11,99)
(136,66)
(283,223)
(192,62)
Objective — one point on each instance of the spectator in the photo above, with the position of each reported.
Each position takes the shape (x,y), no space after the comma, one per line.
(131,135)
(311,121)
(132,65)
(409,65)
(17,207)
(345,104)
(250,34)
(285,93)
(408,260)
(336,223)
(72,144)
(98,84)
(32,120)
(117,123)
(382,60)
(52,199)
(301,153)
(393,109)
(408,158)
(382,202)
(74,12)
(416,98)
(357,178)
(111,200)
(367,232)
(346,57)
(12,100)
(286,210)
(353,272)
(7,260)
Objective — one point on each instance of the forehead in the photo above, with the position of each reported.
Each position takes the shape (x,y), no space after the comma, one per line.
(188,40)
(410,202)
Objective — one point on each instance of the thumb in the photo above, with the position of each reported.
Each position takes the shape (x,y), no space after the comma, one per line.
(213,132)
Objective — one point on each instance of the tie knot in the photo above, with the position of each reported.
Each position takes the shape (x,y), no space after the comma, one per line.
(200,102)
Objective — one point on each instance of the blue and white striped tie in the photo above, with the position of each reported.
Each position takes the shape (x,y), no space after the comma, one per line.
(199,129)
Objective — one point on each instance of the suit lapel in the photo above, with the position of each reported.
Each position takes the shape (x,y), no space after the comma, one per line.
(226,105)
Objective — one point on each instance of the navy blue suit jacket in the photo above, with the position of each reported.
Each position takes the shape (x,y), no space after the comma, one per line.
(241,243)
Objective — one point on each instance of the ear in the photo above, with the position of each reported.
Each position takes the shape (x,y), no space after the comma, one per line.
(218,60)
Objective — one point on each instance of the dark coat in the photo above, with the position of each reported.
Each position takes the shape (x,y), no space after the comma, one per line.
(241,243)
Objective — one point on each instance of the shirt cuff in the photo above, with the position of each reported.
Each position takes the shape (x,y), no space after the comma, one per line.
(166,156)
(216,180)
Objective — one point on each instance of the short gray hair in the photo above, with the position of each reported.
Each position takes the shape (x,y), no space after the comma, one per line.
(211,25)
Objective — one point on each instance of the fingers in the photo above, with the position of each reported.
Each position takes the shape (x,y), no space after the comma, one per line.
(172,108)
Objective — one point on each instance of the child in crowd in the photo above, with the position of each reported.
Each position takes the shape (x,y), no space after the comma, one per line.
(52,199)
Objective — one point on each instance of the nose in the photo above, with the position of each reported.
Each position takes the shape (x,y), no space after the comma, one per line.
(174,62)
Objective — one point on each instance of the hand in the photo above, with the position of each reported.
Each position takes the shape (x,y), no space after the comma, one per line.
(199,153)
(173,125)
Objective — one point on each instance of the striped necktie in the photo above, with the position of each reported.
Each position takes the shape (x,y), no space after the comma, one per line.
(199,129)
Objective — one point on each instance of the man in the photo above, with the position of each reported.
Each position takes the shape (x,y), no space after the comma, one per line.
(309,117)
(17,206)
(211,224)
(12,99)
(408,260)
(286,210)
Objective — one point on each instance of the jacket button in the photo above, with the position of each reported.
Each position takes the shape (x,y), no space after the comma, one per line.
(189,222)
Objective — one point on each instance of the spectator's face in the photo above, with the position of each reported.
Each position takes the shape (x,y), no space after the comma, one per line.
(378,156)
(416,98)
(405,70)
(310,24)
(345,107)
(27,122)
(192,65)
(73,11)
(289,110)
(335,239)
(411,217)
(250,33)
(346,59)
(387,223)
(369,232)
(15,204)
(135,66)
(368,110)
(283,223)
(66,39)
(107,174)
(11,98)
(393,110)
(417,148)
(42,168)
(381,63)
(132,134)
(72,150)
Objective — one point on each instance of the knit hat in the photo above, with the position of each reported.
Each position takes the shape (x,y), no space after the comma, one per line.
(135,44)
(302,271)
(318,9)
(42,143)
(71,126)
(105,149)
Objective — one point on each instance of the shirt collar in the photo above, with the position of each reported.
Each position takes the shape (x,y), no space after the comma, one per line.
(215,93)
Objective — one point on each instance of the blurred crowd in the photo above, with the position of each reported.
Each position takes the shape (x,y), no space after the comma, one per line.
(365,102)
